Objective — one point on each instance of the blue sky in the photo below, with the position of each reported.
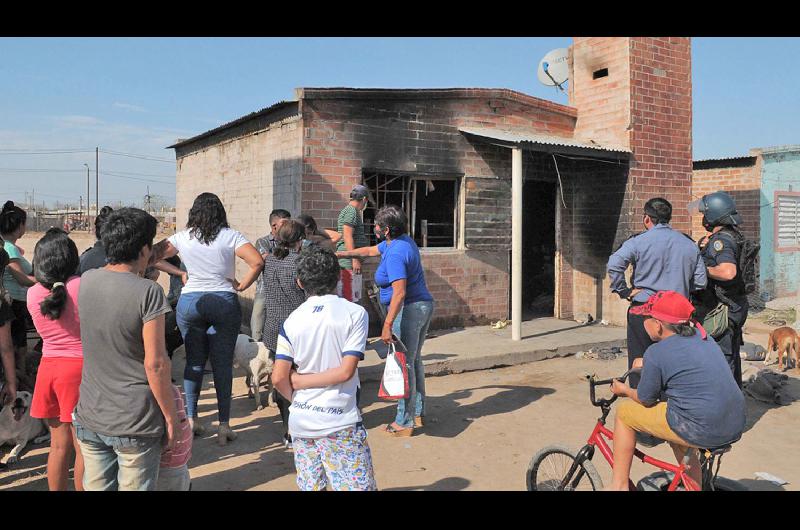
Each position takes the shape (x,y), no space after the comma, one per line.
(137,95)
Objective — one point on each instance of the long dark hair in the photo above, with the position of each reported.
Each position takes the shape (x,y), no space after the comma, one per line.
(56,258)
(11,217)
(288,235)
(207,217)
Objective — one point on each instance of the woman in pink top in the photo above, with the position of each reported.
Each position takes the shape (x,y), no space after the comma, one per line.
(53,305)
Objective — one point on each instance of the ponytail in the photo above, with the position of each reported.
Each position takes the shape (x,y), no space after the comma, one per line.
(288,235)
(52,306)
(56,258)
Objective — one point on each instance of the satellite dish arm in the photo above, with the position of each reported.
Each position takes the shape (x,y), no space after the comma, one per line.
(545,67)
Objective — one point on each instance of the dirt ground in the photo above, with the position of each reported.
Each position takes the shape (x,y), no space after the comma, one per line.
(482,430)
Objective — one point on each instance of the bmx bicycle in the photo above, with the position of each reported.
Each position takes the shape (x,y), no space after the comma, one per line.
(558,468)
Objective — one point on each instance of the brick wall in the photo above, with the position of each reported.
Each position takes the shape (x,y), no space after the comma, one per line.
(661,121)
(744,185)
(645,104)
(603,104)
(346,131)
(252,173)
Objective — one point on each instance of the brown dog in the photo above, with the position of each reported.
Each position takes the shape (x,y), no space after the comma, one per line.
(787,343)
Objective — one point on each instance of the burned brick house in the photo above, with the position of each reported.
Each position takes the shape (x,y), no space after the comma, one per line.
(516,202)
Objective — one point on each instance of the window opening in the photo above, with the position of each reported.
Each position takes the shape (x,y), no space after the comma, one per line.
(430,203)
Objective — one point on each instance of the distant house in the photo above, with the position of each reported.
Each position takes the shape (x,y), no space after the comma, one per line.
(766,187)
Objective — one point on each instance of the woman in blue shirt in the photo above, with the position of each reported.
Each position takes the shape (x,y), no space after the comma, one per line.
(409,307)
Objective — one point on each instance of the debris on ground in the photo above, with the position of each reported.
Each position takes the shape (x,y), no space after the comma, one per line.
(763,475)
(608,353)
(774,317)
(500,324)
(752,352)
(604,322)
(766,385)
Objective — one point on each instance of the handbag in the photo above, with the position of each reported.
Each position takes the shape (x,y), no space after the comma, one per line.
(716,321)
(394,383)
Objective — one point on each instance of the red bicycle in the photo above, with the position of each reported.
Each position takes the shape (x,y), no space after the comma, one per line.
(558,468)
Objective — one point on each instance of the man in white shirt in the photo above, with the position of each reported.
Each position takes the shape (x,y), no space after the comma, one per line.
(316,363)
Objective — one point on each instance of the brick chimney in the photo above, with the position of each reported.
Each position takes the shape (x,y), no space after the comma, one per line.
(636,92)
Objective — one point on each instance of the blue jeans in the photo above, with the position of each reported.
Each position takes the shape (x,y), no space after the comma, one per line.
(209,323)
(118,463)
(411,325)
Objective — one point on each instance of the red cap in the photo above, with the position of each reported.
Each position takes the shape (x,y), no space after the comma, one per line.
(667,306)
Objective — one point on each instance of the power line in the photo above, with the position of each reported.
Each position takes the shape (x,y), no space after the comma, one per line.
(115,175)
(134,155)
(48,152)
(48,170)
(39,170)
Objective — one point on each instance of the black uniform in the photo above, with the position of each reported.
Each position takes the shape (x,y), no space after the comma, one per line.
(724,247)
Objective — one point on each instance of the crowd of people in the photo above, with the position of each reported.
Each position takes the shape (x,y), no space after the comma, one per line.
(104,384)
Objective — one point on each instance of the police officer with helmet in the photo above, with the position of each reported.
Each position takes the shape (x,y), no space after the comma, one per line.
(726,293)
(663,259)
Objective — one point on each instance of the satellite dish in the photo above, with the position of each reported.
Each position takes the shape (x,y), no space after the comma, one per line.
(554,68)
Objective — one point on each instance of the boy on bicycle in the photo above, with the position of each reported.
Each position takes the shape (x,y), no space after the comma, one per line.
(701,406)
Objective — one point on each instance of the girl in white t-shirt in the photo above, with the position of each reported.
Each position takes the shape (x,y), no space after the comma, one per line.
(208,311)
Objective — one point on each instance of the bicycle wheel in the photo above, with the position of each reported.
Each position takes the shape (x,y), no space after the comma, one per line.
(549,467)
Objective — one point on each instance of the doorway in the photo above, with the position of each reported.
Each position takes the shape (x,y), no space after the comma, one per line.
(538,249)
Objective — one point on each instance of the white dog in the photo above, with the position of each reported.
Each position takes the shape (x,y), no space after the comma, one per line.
(253,358)
(17,426)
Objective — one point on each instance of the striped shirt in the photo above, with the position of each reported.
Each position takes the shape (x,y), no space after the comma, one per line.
(182,452)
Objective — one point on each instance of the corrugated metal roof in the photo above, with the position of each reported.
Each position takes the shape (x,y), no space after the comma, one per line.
(266,110)
(723,159)
(513,137)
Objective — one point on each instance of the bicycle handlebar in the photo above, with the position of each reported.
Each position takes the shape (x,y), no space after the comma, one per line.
(593,383)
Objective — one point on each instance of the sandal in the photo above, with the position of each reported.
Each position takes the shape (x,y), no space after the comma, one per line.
(391,431)
(419,421)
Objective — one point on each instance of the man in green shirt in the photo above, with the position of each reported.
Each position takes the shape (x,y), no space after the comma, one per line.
(351,226)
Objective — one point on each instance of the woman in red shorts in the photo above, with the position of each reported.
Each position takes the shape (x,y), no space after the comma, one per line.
(53,305)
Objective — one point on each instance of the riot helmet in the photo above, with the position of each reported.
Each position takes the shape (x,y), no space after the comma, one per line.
(718,208)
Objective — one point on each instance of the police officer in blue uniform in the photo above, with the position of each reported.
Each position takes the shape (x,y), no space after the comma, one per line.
(721,251)
(663,259)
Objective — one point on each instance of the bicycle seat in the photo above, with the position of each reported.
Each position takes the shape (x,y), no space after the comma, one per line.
(716,451)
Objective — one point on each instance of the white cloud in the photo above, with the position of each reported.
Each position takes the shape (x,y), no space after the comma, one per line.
(129,106)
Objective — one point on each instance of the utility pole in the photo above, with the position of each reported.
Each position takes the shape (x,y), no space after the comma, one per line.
(88,197)
(97,180)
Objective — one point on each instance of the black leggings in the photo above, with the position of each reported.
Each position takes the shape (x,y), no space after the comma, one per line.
(19,326)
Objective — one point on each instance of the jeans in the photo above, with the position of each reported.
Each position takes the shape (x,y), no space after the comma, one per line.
(411,325)
(257,317)
(120,463)
(209,323)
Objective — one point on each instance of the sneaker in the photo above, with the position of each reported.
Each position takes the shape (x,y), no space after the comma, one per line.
(287,441)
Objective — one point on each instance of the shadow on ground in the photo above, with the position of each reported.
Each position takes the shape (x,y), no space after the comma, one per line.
(759,485)
(445,484)
(446,417)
